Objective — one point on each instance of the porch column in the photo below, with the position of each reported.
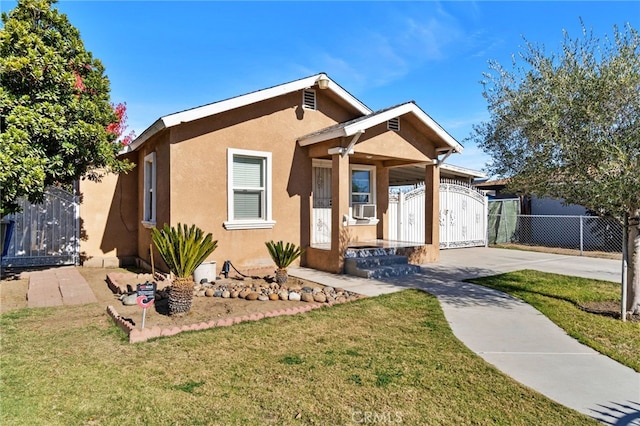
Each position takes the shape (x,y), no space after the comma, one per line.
(339,207)
(432,206)
(382,202)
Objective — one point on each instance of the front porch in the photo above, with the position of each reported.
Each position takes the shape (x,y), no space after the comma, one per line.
(351,166)
(373,258)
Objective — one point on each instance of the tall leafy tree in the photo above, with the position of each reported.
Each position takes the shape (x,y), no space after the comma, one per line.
(567,125)
(56,118)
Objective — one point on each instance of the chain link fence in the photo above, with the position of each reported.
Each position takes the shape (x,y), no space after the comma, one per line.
(580,233)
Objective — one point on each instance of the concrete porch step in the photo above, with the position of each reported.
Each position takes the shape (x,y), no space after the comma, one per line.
(385,271)
(375,261)
(354,252)
(379,266)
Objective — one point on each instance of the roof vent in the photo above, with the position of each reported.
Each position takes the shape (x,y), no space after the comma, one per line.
(309,99)
(394,124)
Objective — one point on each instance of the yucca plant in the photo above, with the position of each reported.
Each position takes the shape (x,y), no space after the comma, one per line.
(183,249)
(283,256)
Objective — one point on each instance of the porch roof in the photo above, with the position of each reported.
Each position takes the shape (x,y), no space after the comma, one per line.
(361,124)
(410,175)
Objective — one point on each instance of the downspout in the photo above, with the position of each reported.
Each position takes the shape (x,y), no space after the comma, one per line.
(352,143)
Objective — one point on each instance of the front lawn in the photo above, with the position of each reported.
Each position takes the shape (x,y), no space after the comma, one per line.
(391,358)
(564,299)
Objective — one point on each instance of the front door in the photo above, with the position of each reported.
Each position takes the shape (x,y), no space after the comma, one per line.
(321,214)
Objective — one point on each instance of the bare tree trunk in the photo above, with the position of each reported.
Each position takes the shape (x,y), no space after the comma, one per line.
(633,265)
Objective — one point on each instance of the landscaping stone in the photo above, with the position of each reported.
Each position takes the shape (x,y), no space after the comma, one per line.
(294,296)
(252,296)
(209,292)
(226,294)
(273,296)
(263,297)
(320,297)
(329,290)
(283,294)
(307,297)
(129,299)
(234,294)
(217,293)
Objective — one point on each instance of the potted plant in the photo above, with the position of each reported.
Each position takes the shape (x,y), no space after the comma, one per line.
(183,249)
(283,256)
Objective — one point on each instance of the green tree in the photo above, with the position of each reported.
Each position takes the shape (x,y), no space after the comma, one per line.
(567,125)
(56,118)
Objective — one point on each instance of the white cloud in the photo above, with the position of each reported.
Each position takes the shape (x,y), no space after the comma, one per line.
(385,51)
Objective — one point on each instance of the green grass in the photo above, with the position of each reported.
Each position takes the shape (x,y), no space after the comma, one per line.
(559,298)
(390,357)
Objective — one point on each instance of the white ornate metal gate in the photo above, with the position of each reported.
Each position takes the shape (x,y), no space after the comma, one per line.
(463,215)
(43,234)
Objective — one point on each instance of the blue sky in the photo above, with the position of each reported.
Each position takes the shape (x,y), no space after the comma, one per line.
(167,56)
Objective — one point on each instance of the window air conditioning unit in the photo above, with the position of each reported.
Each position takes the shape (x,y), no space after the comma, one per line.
(364,211)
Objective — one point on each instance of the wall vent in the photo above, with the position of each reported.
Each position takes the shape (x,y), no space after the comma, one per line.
(394,124)
(309,99)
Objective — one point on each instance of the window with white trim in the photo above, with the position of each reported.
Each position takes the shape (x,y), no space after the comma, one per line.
(248,190)
(149,208)
(362,184)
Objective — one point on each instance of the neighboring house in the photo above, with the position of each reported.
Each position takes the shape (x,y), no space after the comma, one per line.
(530,204)
(546,221)
(252,168)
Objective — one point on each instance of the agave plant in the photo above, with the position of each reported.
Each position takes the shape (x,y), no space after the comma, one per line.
(183,249)
(283,256)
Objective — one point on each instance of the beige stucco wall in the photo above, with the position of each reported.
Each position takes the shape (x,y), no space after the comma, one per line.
(108,223)
(196,185)
(408,144)
(191,182)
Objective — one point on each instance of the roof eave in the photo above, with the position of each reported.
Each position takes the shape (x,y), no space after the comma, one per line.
(367,123)
(155,128)
(463,171)
(243,100)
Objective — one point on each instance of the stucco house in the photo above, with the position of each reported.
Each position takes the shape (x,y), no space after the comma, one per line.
(254,168)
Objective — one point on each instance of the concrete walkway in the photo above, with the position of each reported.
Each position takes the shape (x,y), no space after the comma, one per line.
(512,335)
(57,287)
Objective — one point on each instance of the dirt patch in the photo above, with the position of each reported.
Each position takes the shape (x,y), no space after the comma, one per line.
(608,309)
(13,294)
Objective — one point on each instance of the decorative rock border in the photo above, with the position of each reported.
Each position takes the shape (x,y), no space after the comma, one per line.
(140,335)
(115,280)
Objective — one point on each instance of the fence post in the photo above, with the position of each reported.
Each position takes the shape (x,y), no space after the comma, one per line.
(399,214)
(625,259)
(581,234)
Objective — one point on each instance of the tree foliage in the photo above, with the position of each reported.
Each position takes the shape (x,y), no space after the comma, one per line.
(567,125)
(56,116)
